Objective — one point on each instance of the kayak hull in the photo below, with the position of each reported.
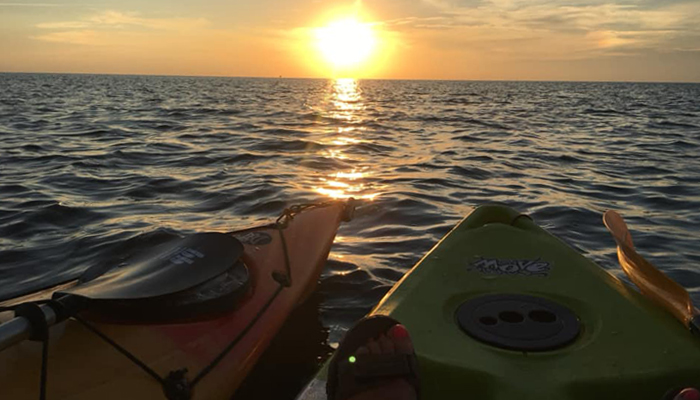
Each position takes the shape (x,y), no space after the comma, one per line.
(83,366)
(625,348)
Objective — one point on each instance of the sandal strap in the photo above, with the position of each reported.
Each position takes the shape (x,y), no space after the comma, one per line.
(369,371)
(370,366)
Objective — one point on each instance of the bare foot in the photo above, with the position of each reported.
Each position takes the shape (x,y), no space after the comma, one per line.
(396,341)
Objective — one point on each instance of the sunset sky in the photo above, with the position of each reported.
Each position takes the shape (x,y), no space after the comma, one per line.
(634,40)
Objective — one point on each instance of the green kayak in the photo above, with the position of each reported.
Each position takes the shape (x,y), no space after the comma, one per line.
(500,309)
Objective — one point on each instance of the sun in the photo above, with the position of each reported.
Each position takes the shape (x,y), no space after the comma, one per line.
(346,43)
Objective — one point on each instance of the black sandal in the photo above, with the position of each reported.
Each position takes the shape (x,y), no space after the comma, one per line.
(350,374)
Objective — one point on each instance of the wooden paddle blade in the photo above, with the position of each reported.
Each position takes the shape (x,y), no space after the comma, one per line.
(651,281)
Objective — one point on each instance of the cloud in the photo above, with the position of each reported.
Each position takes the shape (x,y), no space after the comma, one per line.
(556,29)
(63,25)
(90,30)
(116,18)
(33,5)
(85,37)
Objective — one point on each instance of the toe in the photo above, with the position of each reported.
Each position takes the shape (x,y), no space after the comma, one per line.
(688,394)
(386,344)
(374,347)
(402,340)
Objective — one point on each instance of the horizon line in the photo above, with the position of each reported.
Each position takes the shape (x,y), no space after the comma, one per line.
(329,78)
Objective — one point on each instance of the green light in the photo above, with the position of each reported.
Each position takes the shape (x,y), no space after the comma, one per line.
(352,359)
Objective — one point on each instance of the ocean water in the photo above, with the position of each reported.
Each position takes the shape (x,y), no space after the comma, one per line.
(93,165)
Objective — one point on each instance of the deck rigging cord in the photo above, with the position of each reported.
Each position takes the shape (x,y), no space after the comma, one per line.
(175,385)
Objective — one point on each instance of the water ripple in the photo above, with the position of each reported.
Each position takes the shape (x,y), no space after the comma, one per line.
(96,167)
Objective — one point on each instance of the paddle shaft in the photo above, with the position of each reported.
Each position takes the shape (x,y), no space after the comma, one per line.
(20,328)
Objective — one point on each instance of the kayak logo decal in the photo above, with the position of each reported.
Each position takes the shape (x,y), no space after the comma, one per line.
(255,238)
(495,266)
(183,255)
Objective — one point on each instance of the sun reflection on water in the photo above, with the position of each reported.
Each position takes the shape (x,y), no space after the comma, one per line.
(343,185)
(346,101)
(346,97)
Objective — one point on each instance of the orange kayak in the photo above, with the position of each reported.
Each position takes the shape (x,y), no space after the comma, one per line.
(205,357)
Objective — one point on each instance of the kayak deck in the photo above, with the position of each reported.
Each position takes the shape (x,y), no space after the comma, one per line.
(83,366)
(625,347)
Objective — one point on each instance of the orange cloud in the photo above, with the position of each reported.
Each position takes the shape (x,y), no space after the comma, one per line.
(98,28)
